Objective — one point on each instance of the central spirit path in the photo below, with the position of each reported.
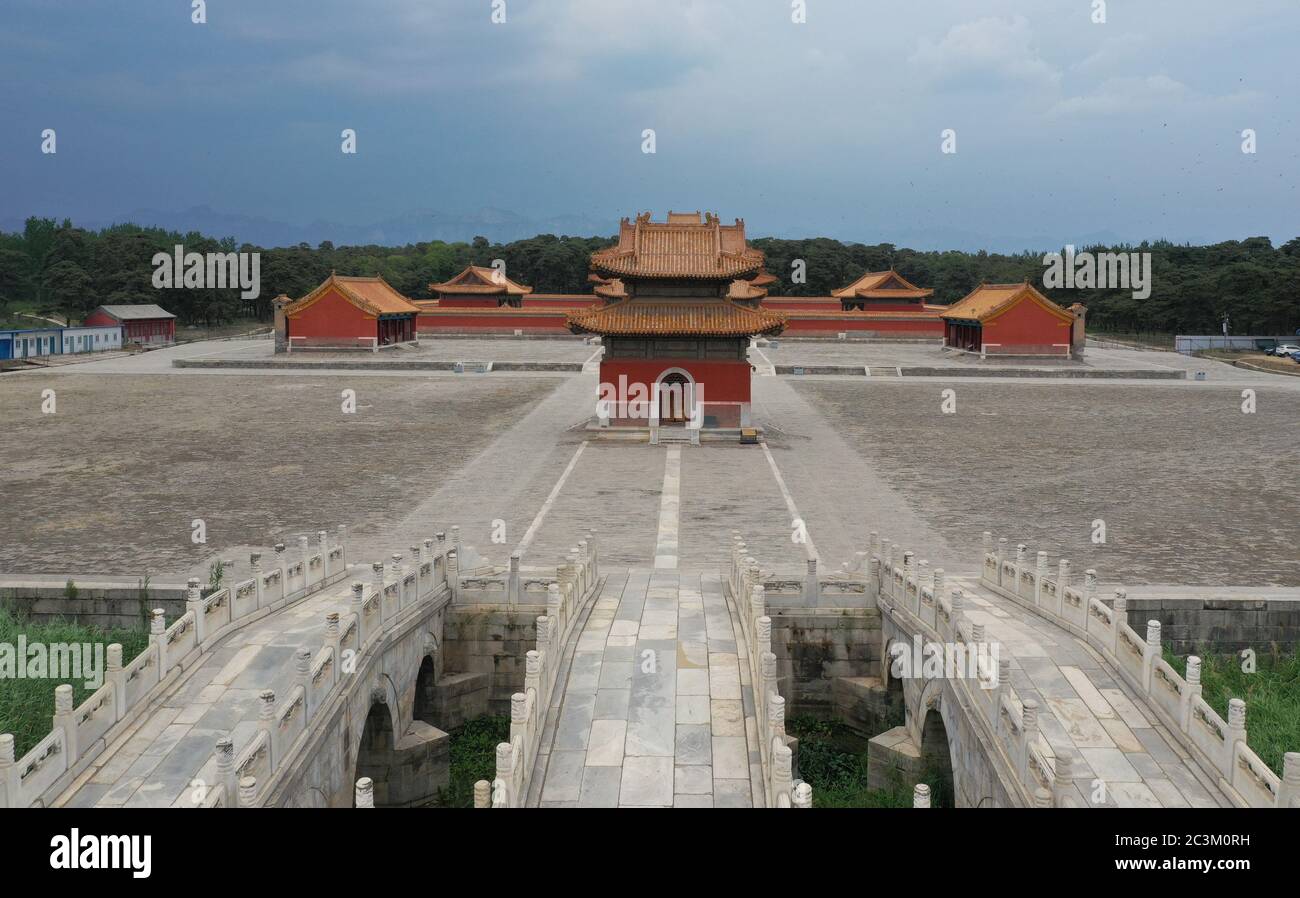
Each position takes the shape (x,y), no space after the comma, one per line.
(657,711)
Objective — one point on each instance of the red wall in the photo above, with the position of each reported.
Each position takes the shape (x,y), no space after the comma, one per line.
(1028,327)
(136,330)
(332,317)
(802,304)
(722,381)
(918,327)
(484,322)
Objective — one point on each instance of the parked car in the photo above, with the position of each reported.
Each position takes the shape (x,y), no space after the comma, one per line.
(1284,349)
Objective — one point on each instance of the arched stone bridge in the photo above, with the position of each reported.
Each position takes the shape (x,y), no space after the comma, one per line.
(283,689)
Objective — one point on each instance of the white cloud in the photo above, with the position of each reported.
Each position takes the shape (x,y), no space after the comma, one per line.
(993,51)
(1118,96)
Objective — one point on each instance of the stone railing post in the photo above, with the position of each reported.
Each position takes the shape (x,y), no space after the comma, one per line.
(544,636)
(956,604)
(303,662)
(359,609)
(341,532)
(194,605)
(225,754)
(1040,573)
(1151,652)
(1002,557)
(920,796)
(453,574)
(1089,588)
(1236,733)
(505,771)
(802,797)
(157,637)
(1029,732)
(482,794)
(1288,795)
(9,776)
(1193,690)
(304,553)
(248,792)
(1119,615)
(533,676)
(512,584)
(65,720)
(1003,691)
(764,635)
(117,676)
(255,566)
(323,541)
(377,584)
(266,723)
(811,588)
(1063,794)
(782,762)
(365,793)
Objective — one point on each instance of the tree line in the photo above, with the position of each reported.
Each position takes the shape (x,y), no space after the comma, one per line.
(55,268)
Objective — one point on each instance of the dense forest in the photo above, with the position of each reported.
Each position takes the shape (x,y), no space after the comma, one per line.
(55,268)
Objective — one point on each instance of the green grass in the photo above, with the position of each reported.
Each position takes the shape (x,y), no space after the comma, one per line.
(27,706)
(473,758)
(833,760)
(1271,693)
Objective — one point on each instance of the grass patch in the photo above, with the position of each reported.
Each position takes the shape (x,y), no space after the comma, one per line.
(27,706)
(833,760)
(1271,693)
(473,758)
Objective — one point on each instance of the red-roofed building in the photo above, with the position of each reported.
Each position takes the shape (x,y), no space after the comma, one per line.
(1012,319)
(346,313)
(682,304)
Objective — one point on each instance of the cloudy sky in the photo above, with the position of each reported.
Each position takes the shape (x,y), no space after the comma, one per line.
(1065,128)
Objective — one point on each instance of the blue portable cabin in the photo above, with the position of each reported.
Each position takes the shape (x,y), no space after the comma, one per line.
(31,343)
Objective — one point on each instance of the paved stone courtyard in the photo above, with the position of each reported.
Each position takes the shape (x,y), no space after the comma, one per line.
(1192,491)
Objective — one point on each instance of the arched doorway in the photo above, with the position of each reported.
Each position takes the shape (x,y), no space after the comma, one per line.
(936,759)
(676,398)
(426,696)
(375,753)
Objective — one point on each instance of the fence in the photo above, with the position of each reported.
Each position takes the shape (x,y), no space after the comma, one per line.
(80,733)
(745,583)
(1218,746)
(575,584)
(396,592)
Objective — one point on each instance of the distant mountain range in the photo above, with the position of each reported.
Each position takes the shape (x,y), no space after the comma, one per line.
(503,226)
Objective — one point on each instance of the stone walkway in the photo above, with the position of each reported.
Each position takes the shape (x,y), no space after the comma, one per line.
(657,711)
(1085,708)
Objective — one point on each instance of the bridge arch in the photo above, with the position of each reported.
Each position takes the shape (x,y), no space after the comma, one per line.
(375,750)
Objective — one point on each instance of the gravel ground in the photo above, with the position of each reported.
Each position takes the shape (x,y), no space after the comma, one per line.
(1191,489)
(111,482)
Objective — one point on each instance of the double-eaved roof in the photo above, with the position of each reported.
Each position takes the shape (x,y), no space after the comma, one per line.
(375,296)
(990,300)
(477,280)
(685,246)
(638,317)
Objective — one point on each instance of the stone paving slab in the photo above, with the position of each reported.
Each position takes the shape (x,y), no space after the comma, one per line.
(650,718)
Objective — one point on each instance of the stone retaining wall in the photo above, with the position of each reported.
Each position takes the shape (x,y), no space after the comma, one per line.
(1219,625)
(814,647)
